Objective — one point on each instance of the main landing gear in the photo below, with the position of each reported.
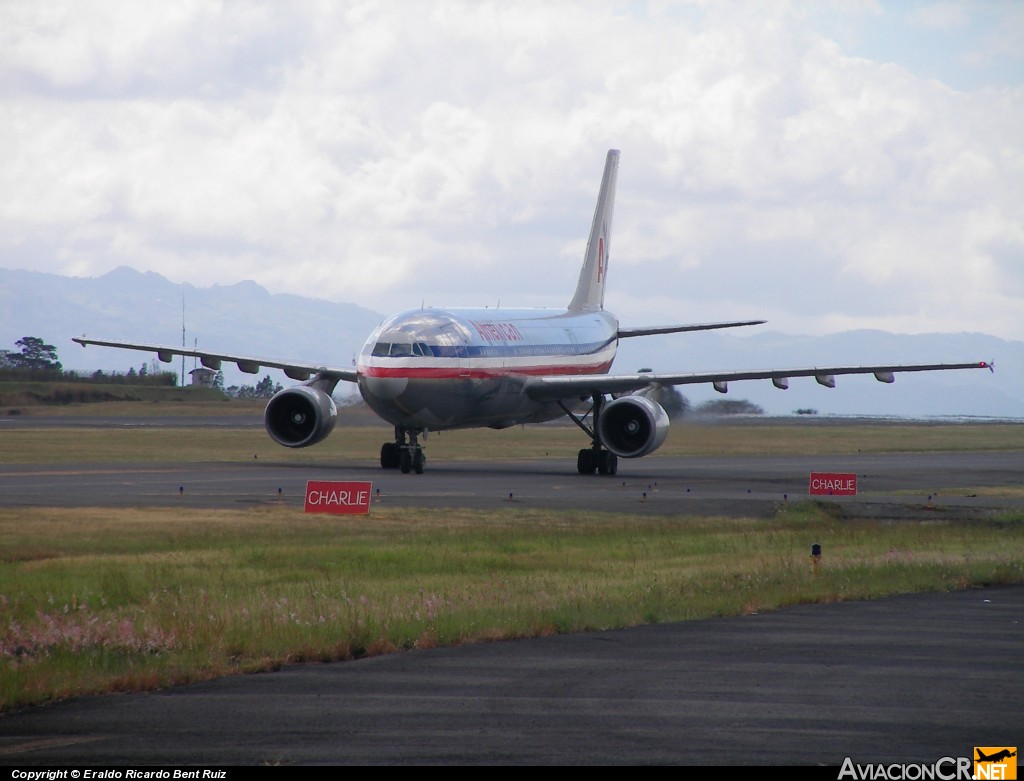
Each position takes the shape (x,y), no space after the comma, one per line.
(595,458)
(405,453)
(591,459)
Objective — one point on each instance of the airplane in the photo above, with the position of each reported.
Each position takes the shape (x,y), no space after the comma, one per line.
(998,756)
(440,369)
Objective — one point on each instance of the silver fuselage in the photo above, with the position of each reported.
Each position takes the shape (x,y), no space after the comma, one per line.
(460,368)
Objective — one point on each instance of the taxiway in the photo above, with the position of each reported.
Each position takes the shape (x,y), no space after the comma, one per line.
(936,484)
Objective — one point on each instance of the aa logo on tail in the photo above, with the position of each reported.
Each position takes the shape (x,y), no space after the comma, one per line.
(995,762)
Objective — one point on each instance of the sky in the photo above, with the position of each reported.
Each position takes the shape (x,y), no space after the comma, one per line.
(823,165)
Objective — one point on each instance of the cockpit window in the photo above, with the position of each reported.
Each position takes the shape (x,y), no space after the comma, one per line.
(423,334)
(402,349)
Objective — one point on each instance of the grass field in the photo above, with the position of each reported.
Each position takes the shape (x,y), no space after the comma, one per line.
(362,442)
(62,398)
(97,600)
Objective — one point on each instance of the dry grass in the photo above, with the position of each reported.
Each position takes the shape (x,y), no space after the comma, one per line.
(111,600)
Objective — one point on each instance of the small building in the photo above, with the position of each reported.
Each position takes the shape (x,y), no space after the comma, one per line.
(203,377)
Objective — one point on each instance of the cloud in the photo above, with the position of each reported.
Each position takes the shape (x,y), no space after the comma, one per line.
(940,16)
(393,153)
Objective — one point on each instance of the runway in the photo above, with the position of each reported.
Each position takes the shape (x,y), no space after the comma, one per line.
(899,484)
(906,679)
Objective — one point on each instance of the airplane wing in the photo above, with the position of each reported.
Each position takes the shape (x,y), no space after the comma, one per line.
(625,333)
(247,364)
(584,385)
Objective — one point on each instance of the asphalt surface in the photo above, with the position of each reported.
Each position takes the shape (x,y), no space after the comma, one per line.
(901,680)
(905,679)
(901,484)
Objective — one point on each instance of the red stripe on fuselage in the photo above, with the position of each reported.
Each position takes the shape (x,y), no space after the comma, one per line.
(456,373)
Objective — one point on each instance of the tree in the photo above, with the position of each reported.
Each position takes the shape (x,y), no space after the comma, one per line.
(674,402)
(266,388)
(35,354)
(669,397)
(729,407)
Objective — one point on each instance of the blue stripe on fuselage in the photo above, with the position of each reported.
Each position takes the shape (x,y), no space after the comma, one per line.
(515,350)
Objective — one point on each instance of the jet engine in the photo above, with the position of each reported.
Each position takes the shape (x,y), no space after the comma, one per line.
(300,416)
(633,426)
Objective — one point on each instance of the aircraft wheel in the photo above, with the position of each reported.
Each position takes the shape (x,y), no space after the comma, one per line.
(405,462)
(585,462)
(389,455)
(419,461)
(607,463)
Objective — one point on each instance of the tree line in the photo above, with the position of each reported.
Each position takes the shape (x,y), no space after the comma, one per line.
(35,360)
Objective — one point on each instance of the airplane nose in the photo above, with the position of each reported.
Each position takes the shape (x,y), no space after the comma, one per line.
(386,388)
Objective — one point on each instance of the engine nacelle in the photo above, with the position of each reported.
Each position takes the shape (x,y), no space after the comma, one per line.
(300,416)
(633,426)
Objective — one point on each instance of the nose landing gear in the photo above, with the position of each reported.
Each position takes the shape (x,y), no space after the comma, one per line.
(405,453)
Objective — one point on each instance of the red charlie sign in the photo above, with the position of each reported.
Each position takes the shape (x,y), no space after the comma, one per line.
(333,496)
(834,483)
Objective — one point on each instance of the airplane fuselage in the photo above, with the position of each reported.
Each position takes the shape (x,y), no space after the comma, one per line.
(458,368)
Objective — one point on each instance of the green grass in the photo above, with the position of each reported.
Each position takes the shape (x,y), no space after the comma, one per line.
(362,442)
(114,600)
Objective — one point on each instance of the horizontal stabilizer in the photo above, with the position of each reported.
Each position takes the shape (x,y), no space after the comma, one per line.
(625,333)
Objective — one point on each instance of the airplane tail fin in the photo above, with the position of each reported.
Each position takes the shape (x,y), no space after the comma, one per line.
(590,289)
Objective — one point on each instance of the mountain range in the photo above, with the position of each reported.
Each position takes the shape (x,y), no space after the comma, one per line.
(245,318)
